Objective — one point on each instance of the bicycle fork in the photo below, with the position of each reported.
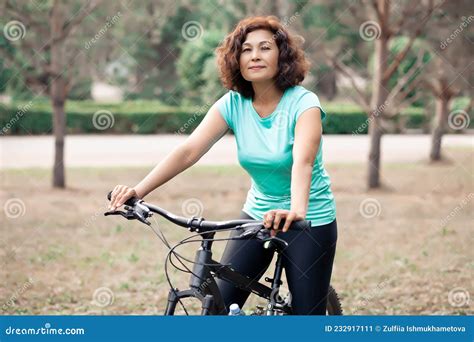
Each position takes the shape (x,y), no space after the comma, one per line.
(202,285)
(274,300)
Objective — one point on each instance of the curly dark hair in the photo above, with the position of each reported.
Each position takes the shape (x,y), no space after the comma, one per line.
(292,63)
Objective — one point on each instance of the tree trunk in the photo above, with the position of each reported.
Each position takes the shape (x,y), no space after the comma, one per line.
(58,95)
(441,114)
(58,99)
(379,97)
(376,132)
(327,84)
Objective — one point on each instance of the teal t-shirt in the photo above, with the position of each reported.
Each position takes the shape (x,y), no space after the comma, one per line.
(265,151)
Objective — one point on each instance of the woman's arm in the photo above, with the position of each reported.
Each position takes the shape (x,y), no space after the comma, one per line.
(210,130)
(308,131)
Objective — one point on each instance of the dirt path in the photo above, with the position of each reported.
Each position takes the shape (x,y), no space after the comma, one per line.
(141,150)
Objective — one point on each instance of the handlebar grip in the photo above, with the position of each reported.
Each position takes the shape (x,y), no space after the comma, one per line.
(298,225)
(130,201)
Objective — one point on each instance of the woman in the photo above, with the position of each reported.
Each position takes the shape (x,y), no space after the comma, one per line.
(277,127)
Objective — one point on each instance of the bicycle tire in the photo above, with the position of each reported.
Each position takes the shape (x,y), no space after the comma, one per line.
(334,307)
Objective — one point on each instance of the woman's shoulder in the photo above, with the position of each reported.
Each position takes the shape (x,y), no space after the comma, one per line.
(298,91)
(300,99)
(231,96)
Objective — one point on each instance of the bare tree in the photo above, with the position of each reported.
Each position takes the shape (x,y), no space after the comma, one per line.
(47,50)
(381,21)
(449,72)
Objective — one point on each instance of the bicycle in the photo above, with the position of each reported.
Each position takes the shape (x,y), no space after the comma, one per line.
(202,285)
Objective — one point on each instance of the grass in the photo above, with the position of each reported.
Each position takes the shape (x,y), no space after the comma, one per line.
(406,260)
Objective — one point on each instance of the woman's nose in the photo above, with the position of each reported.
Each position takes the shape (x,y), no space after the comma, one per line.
(255,56)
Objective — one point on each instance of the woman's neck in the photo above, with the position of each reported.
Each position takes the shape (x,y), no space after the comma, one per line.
(266,93)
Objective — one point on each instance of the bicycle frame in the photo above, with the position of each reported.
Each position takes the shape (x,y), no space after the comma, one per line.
(202,283)
(204,287)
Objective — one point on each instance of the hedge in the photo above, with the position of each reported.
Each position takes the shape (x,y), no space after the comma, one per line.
(149,117)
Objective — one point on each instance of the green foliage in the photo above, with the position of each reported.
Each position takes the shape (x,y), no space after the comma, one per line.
(197,68)
(150,117)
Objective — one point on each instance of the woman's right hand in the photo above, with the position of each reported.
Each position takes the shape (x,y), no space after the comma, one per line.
(120,195)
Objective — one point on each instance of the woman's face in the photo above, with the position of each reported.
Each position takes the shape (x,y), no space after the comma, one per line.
(259,56)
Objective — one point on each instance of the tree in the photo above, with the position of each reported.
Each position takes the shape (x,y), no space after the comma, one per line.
(387,96)
(445,77)
(47,56)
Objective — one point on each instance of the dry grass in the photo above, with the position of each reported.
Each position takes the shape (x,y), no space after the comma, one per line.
(406,260)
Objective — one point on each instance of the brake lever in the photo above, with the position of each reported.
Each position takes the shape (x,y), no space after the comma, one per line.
(139,212)
(128,215)
(252,230)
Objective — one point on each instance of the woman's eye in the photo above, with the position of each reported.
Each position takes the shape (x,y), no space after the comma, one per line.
(265,48)
(244,50)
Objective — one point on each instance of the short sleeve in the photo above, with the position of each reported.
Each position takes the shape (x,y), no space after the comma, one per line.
(308,100)
(224,105)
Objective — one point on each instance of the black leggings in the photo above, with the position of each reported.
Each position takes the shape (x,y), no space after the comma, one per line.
(307,261)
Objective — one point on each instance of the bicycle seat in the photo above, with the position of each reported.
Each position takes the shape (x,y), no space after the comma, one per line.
(275,243)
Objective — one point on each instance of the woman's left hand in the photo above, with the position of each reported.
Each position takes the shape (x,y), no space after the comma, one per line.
(272,219)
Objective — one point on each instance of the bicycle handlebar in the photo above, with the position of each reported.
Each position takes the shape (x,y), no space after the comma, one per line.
(140,210)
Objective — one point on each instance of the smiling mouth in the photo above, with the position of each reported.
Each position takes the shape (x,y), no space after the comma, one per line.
(256,68)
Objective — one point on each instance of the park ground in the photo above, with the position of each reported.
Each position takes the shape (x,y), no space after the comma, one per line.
(413,255)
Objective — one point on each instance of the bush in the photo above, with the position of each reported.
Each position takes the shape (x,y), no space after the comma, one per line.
(149,117)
